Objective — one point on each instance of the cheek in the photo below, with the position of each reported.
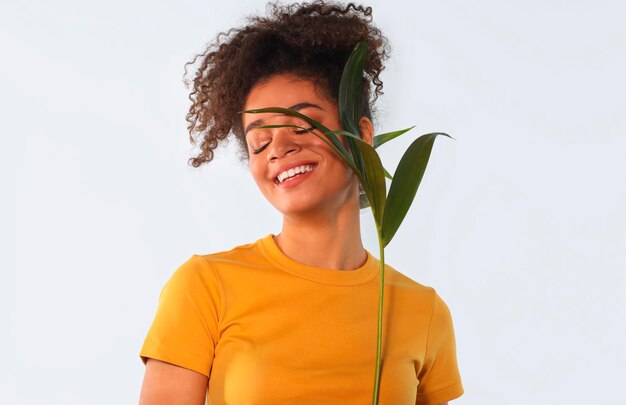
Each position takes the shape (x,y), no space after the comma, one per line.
(258,170)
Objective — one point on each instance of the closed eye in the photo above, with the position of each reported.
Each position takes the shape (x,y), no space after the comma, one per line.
(304,131)
(257,151)
(299,132)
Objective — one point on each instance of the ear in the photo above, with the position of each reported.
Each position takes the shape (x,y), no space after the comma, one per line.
(366,128)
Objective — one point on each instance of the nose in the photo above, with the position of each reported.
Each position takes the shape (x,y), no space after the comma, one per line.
(283,144)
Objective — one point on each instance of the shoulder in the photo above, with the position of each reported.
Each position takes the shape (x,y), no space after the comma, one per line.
(243,255)
(401,283)
(417,295)
(238,262)
(204,265)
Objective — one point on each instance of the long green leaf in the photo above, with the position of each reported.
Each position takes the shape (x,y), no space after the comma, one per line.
(406,181)
(334,143)
(382,138)
(375,187)
(387,175)
(344,156)
(363,201)
(349,98)
(374,172)
(350,88)
(350,134)
(318,125)
(282,126)
(374,184)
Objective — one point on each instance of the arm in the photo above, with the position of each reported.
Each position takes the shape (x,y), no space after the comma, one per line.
(179,348)
(167,384)
(439,373)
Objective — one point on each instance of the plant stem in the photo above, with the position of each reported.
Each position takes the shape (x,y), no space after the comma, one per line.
(379,338)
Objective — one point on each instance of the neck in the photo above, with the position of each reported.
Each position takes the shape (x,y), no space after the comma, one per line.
(329,240)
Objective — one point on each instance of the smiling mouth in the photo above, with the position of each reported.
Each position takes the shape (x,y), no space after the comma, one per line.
(276,181)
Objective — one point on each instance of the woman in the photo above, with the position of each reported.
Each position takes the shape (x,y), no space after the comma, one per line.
(291,318)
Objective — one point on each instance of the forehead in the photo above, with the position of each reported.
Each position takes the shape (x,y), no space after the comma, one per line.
(284,91)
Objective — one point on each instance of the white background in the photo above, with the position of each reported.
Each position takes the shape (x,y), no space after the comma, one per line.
(520,223)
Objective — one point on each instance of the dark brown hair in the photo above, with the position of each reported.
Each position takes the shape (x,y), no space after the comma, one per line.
(310,40)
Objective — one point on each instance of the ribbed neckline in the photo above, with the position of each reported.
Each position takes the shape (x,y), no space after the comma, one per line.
(362,275)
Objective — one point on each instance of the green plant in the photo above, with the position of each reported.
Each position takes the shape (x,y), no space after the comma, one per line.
(390,209)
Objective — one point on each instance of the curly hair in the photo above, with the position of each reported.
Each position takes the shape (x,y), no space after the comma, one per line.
(309,40)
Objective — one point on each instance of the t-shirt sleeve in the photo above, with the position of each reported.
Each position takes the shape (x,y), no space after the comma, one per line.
(439,378)
(185,328)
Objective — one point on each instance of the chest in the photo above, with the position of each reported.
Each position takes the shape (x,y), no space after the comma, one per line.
(312,346)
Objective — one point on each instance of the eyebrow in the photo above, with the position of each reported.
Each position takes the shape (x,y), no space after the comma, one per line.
(295,107)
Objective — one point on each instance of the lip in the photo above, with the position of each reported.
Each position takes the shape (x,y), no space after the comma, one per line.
(291,165)
(294,181)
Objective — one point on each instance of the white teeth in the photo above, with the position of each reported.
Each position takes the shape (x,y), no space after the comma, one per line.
(293,171)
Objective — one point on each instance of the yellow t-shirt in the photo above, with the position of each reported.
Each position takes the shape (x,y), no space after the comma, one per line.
(268,330)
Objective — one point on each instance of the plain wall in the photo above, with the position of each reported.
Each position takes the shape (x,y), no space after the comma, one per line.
(519,223)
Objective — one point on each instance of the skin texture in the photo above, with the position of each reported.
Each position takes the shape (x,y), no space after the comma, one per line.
(167,384)
(321,213)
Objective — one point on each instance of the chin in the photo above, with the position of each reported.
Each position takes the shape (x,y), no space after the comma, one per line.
(295,208)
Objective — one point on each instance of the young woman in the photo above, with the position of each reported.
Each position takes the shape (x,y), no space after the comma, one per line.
(291,318)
